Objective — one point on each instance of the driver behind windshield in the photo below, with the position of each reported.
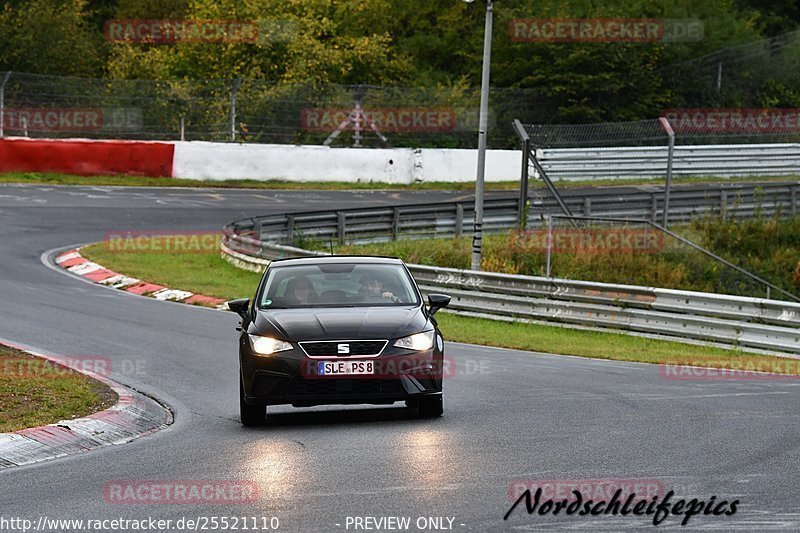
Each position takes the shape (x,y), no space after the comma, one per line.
(372,288)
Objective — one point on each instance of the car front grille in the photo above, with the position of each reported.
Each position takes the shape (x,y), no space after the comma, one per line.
(369,348)
(343,388)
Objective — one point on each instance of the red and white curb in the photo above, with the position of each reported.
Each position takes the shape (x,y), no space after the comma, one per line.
(74,262)
(133,416)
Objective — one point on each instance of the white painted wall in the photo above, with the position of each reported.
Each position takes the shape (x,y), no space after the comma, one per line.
(449,164)
(221,161)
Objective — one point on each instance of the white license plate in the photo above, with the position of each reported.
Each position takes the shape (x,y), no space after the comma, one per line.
(345,368)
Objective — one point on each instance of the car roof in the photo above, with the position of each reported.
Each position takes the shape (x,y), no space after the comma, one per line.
(337,259)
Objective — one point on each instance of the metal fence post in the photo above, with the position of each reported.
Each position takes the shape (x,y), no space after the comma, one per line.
(234,91)
(483,126)
(794,201)
(671,135)
(523,182)
(2,103)
(587,206)
(257,229)
(459,220)
(183,137)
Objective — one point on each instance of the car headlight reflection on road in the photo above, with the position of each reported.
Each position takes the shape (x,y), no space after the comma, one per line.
(268,345)
(416,342)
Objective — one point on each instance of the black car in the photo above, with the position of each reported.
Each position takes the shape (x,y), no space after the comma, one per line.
(339,330)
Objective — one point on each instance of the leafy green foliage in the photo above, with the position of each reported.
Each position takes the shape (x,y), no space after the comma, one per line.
(425,44)
(49,37)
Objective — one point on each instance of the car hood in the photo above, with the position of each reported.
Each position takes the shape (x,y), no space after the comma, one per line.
(345,323)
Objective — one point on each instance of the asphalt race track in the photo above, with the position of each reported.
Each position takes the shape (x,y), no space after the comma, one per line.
(508,415)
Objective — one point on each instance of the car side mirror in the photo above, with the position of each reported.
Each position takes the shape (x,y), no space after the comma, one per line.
(241,307)
(436,302)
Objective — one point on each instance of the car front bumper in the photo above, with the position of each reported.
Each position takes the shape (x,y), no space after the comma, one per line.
(291,377)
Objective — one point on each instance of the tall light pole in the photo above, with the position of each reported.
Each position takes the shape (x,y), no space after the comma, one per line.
(477,233)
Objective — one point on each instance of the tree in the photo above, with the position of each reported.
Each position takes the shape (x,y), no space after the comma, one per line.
(49,37)
(310,41)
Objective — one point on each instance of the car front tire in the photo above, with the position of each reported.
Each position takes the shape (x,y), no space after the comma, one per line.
(430,407)
(250,415)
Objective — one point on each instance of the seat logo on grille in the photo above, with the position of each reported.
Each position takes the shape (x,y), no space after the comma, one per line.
(343,348)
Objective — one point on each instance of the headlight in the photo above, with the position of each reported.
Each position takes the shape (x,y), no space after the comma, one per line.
(268,345)
(417,342)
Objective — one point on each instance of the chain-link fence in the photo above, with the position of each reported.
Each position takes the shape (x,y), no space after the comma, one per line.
(684,143)
(746,75)
(632,133)
(648,149)
(258,111)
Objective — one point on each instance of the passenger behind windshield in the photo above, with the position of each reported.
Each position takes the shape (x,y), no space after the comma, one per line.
(372,289)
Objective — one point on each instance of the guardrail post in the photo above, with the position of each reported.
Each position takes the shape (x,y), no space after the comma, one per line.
(794,201)
(290,229)
(459,229)
(395,222)
(723,204)
(549,242)
(257,228)
(587,207)
(653,207)
(340,226)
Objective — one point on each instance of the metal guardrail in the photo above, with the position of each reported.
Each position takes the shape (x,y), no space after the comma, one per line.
(737,321)
(452,219)
(724,161)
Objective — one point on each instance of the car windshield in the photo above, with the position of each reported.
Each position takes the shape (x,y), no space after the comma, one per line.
(337,285)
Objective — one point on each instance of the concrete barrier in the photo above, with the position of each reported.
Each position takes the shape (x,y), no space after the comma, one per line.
(221,161)
(86,157)
(224,161)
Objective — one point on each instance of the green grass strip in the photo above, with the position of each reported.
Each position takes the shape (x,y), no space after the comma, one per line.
(207,273)
(35,391)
